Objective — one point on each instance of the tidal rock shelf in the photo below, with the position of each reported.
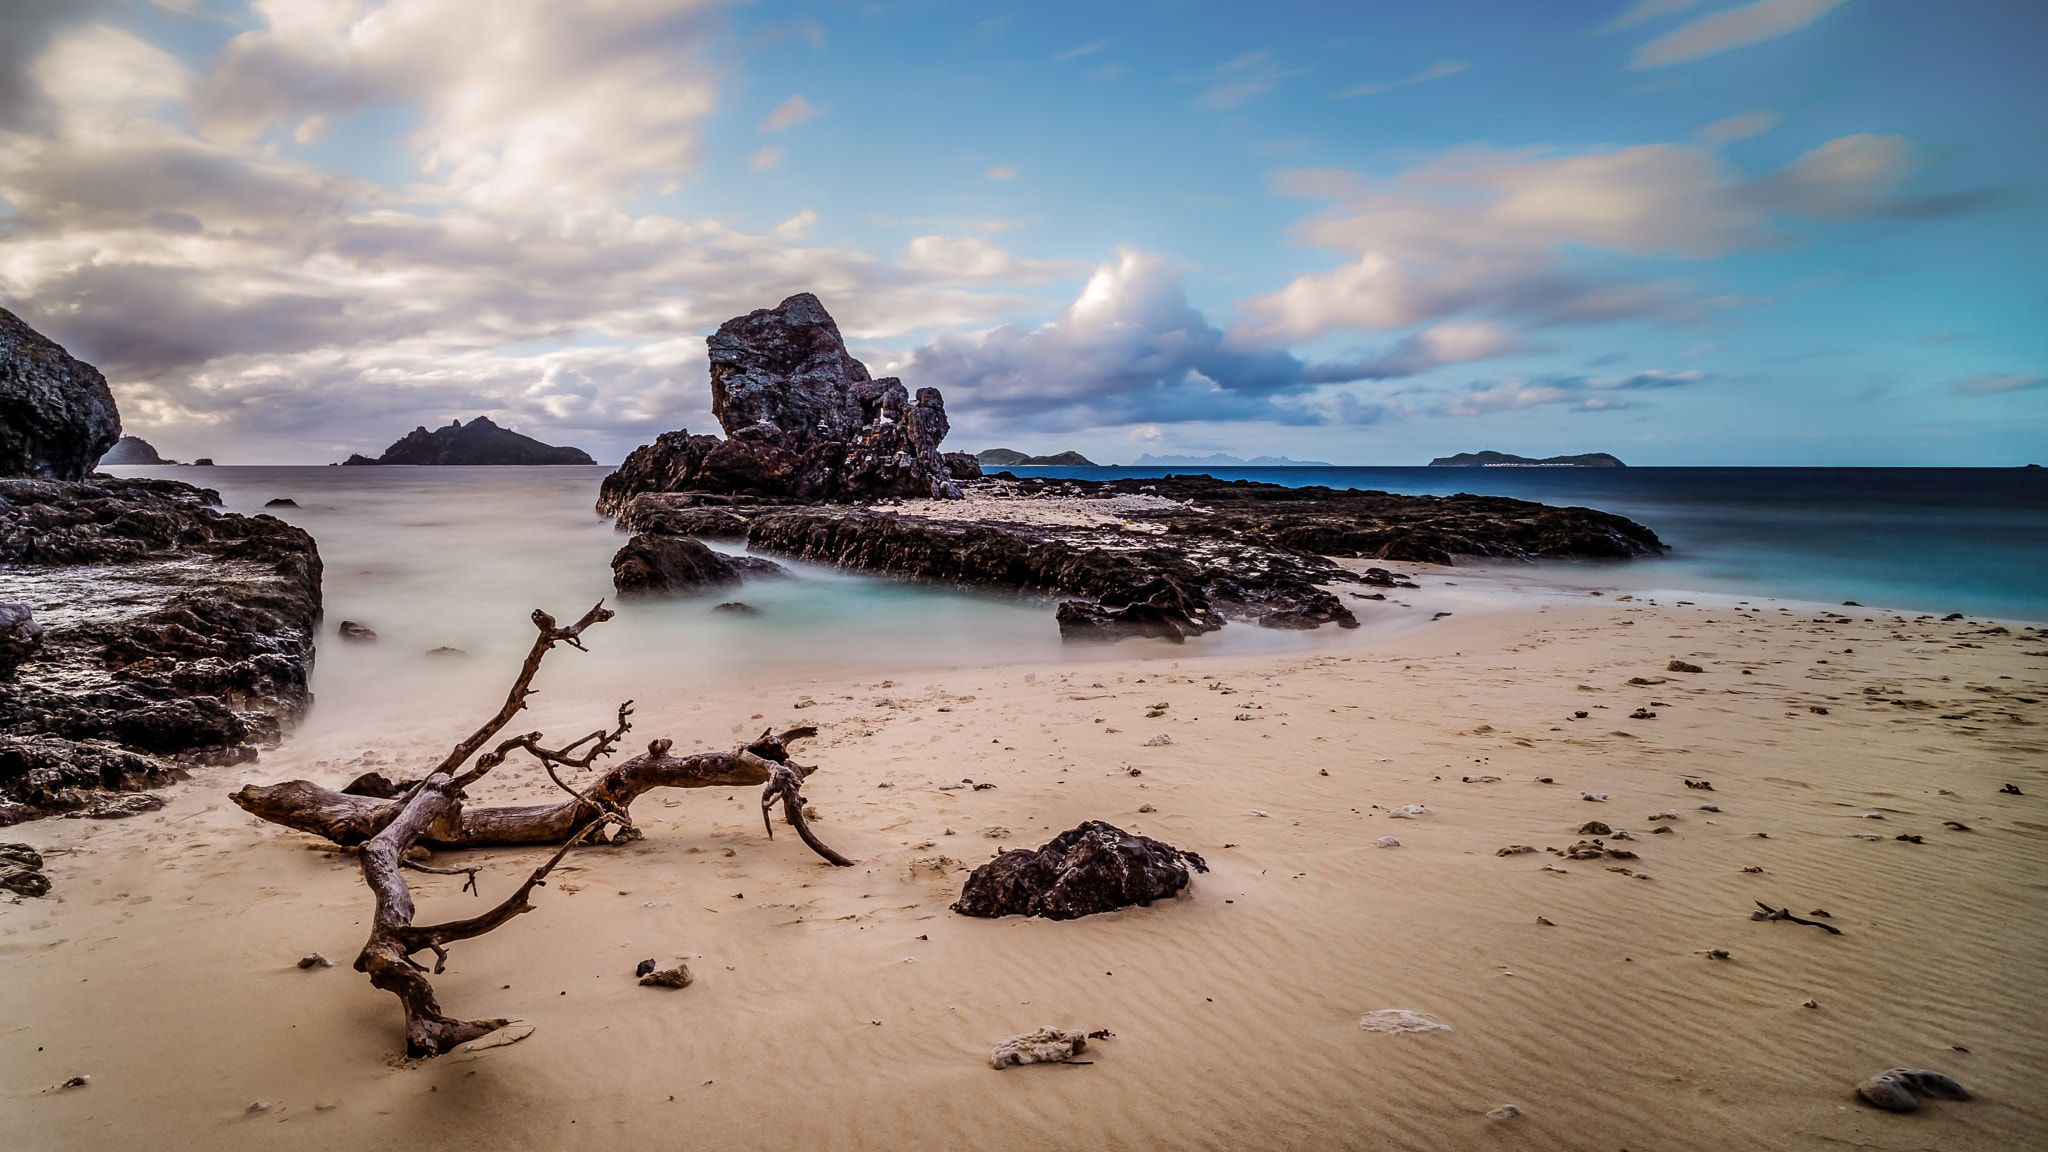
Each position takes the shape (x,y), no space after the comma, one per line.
(172,634)
(1171,558)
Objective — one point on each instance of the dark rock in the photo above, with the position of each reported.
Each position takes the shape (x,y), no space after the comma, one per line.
(376,786)
(118,807)
(133,450)
(644,967)
(1011,458)
(803,421)
(961,466)
(1504,459)
(736,606)
(20,637)
(281,502)
(1682,666)
(655,564)
(182,631)
(350,630)
(445,651)
(477,442)
(21,871)
(203,462)
(1092,868)
(57,417)
(688,514)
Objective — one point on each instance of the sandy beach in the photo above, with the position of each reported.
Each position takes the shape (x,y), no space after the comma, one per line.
(849,1009)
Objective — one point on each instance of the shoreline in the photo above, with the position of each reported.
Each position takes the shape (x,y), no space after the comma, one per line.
(163,963)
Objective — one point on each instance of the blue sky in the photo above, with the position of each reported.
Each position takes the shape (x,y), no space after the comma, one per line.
(1682,231)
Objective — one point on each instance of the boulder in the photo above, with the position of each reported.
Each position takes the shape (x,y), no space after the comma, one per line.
(670,464)
(20,637)
(653,564)
(57,417)
(1095,867)
(961,465)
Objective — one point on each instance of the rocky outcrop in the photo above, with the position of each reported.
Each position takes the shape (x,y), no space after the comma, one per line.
(172,631)
(655,564)
(961,466)
(803,422)
(133,450)
(1508,460)
(477,442)
(20,637)
(57,417)
(1095,867)
(1011,458)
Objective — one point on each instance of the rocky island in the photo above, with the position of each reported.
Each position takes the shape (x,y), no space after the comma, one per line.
(134,450)
(822,463)
(144,630)
(1011,458)
(1508,460)
(477,442)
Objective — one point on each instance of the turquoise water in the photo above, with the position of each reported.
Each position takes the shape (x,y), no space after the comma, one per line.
(1971,540)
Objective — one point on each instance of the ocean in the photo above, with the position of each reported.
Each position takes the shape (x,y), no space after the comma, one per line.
(458,557)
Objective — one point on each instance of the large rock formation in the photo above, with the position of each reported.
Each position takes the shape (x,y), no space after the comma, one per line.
(172,633)
(133,450)
(803,421)
(477,442)
(57,417)
(1095,867)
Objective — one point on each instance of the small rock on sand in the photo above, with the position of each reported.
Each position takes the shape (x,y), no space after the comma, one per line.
(1048,1045)
(1389,842)
(361,634)
(676,977)
(1900,1089)
(315,960)
(1159,741)
(1504,1112)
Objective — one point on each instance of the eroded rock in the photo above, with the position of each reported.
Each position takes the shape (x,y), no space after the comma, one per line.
(57,417)
(1095,867)
(20,637)
(652,564)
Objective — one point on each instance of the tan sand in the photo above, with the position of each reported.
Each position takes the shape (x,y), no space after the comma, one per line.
(849,1009)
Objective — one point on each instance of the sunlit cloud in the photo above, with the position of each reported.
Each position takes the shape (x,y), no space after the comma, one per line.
(790,113)
(1436,71)
(1731,28)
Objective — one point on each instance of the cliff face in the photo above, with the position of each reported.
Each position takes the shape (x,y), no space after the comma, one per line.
(57,417)
(477,442)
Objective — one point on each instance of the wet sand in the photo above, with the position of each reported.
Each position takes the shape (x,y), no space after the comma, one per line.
(849,1009)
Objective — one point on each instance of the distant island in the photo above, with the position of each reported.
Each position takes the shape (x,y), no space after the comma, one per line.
(477,442)
(1011,458)
(1504,460)
(1221,460)
(133,450)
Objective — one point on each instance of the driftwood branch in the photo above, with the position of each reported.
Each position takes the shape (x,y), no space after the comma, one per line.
(430,811)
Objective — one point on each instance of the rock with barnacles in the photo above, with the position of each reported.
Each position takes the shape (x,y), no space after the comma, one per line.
(1048,1045)
(1095,867)
(1900,1089)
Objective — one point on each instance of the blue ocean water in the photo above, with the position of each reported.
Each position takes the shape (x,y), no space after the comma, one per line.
(1971,540)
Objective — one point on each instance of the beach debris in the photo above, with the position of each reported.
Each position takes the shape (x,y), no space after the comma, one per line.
(982,787)
(1545,779)
(1594,797)
(1900,1089)
(1702,785)
(1482,779)
(1955,825)
(1753,868)
(1159,741)
(1662,830)
(1553,868)
(1642,714)
(1671,814)
(1401,1020)
(1545,922)
(358,633)
(1716,808)
(1821,912)
(1048,1045)
(1594,828)
(1770,913)
(2011,790)
(886,784)
(1648,680)
(1865,836)
(76,1082)
(1504,1112)
(1093,867)
(1260,812)
(1909,838)
(1682,666)
(21,870)
(259,1106)
(1873,815)
(315,960)
(679,976)
(1389,842)
(1580,715)
(1515,850)
(1809,1002)
(994,831)
(1147,808)
(1408,812)
(1816,709)
(386,830)
(512,1033)
(1712,953)
(645,966)
(1623,834)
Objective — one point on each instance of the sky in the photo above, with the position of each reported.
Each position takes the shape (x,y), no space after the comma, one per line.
(1687,232)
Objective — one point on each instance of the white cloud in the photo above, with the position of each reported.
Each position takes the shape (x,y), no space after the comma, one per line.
(1993,383)
(762,159)
(1577,393)
(1643,10)
(1002,172)
(790,113)
(238,294)
(1488,231)
(1741,126)
(1436,71)
(1731,28)
(1244,78)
